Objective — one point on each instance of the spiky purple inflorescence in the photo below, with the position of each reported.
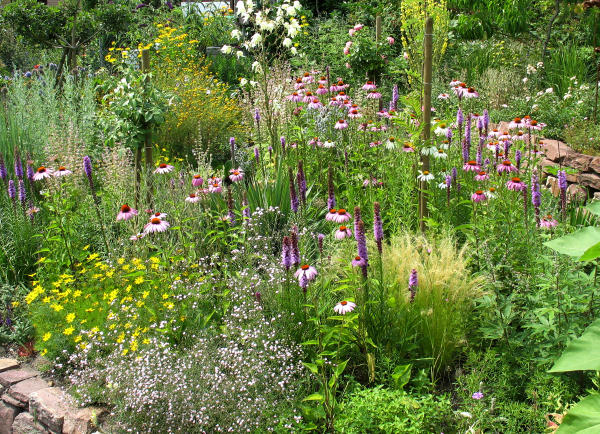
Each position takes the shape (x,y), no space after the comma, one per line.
(295,249)
(562,184)
(413,282)
(377,226)
(256,115)
(87,169)
(293,196)
(330,189)
(12,191)
(480,125)
(357,218)
(459,117)
(286,253)
(303,282)
(518,158)
(454,174)
(536,197)
(18,165)
(282,141)
(30,172)
(395,97)
(449,134)
(320,239)
(270,149)
(230,205)
(22,193)
(3,172)
(479,157)
(486,118)
(256,155)
(246,211)
(361,245)
(301,180)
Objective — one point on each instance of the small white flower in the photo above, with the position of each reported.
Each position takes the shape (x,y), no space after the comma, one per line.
(344,307)
(549,90)
(525,80)
(236,34)
(287,42)
(425,176)
(226,49)
(293,50)
(239,54)
(256,67)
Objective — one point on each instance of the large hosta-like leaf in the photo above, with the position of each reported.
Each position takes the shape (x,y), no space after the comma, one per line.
(577,243)
(583,418)
(583,353)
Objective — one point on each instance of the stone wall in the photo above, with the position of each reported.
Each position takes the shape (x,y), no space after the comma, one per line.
(30,405)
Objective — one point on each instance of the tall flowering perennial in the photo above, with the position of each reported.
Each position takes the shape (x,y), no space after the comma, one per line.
(413,282)
(357,218)
(536,197)
(378,227)
(562,184)
(286,253)
(12,191)
(362,248)
(293,196)
(22,193)
(295,250)
(330,189)
(301,180)
(230,207)
(3,172)
(320,239)
(18,165)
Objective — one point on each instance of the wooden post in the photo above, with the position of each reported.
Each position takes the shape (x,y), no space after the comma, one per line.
(377,28)
(147,130)
(427,67)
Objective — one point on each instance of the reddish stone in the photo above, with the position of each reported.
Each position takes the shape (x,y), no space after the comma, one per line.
(555,150)
(12,401)
(7,416)
(6,364)
(8,378)
(577,161)
(589,180)
(23,390)
(50,406)
(576,192)
(83,421)
(24,423)
(595,165)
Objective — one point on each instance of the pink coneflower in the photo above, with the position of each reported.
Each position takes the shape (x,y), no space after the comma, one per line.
(369,85)
(197,181)
(460,89)
(341,125)
(506,166)
(358,262)
(126,213)
(535,125)
(315,104)
(344,307)
(516,123)
(315,142)
(215,187)
(308,96)
(343,232)
(407,147)
(482,176)
(42,173)
(338,87)
(519,135)
(342,216)
(353,114)
(156,225)
(443,96)
(471,93)
(494,133)
(491,193)
(478,196)
(164,168)
(322,90)
(295,97)
(548,222)
(492,146)
(307,271)
(192,198)
(160,215)
(383,113)
(373,95)
(454,83)
(62,171)
(375,144)
(32,211)
(307,78)
(471,166)
(137,236)
(236,175)
(515,184)
(322,80)
(331,215)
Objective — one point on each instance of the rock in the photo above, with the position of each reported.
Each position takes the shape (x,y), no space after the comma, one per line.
(23,390)
(596,195)
(7,416)
(12,401)
(83,421)
(49,406)
(595,165)
(576,192)
(555,150)
(13,376)
(552,184)
(589,180)
(24,423)
(6,364)
(577,161)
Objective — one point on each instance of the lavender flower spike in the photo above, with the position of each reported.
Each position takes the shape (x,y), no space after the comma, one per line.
(12,191)
(3,172)
(286,253)
(301,180)
(413,282)
(293,196)
(295,252)
(562,184)
(22,193)
(377,226)
(330,189)
(362,247)
(459,117)
(18,165)
(87,169)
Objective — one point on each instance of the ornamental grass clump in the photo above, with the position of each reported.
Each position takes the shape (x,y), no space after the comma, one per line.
(435,311)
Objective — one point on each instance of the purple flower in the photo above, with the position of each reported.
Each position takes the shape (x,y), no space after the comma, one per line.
(282,140)
(466,148)
(286,253)
(518,158)
(293,196)
(295,248)
(477,395)
(18,166)
(320,239)
(30,172)
(301,180)
(3,173)
(140,6)
(169,5)
(246,211)
(449,134)
(479,123)
(562,184)
(562,179)
(362,247)
(395,97)
(486,118)
(330,189)
(87,169)
(413,281)
(256,154)
(377,226)
(478,157)
(459,117)
(357,219)
(22,192)
(256,115)
(12,191)
(454,174)
(230,213)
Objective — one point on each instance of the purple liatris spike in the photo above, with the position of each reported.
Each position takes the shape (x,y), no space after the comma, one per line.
(486,118)
(478,157)
(3,172)
(562,179)
(356,220)
(18,165)
(256,155)
(87,169)
(506,148)
(256,115)
(295,250)
(377,226)
(562,184)
(459,117)
(413,282)
(449,134)
(395,97)
(362,247)
(518,158)
(30,172)
(301,180)
(330,189)
(454,174)
(480,124)
(270,149)
(303,282)
(230,205)
(282,140)
(320,239)
(22,192)
(246,211)
(12,191)
(293,196)
(466,148)
(286,253)
(536,197)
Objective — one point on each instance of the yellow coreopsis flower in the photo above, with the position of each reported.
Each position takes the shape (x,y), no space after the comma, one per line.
(69,331)
(47,336)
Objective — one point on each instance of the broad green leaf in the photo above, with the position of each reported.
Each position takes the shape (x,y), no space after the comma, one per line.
(583,418)
(577,243)
(401,375)
(582,353)
(594,207)
(340,368)
(591,253)
(310,342)
(313,368)
(314,397)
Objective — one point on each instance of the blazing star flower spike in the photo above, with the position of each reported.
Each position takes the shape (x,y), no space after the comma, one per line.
(344,307)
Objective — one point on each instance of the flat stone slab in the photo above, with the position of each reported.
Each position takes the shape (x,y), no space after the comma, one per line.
(23,390)
(13,376)
(6,364)
(24,423)
(12,401)
(7,416)
(84,420)
(50,405)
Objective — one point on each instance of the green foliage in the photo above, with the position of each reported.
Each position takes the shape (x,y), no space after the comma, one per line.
(577,243)
(381,410)
(566,62)
(584,417)
(582,353)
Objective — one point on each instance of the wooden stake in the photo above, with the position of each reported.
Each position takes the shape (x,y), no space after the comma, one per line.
(377,28)
(427,69)
(147,131)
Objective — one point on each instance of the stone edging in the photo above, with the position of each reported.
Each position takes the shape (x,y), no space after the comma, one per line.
(29,405)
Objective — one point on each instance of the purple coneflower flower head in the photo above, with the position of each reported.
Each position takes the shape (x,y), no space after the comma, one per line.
(377,226)
(330,189)
(164,168)
(308,271)
(341,125)
(22,192)
(515,184)
(126,213)
(413,282)
(61,171)
(301,180)
(295,248)
(42,173)
(343,232)
(192,198)
(293,196)
(341,216)
(369,85)
(12,190)
(344,307)
(373,95)
(236,175)
(506,166)
(331,215)
(215,187)
(18,165)
(548,222)
(478,196)
(471,166)
(286,253)
(197,181)
(156,225)
(482,176)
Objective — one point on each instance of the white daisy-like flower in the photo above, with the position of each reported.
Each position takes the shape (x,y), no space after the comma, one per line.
(425,176)
(344,307)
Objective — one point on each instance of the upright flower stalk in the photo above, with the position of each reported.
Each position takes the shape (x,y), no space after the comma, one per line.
(293,196)
(536,197)
(362,248)
(301,180)
(330,189)
(562,184)
(413,282)
(87,169)
(378,227)
(230,207)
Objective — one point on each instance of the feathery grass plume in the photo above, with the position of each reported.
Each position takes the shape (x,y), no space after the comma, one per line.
(293,196)
(446,293)
(330,189)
